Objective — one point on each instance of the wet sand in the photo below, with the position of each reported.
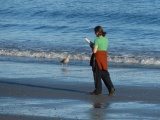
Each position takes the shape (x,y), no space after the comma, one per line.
(23,99)
(36,91)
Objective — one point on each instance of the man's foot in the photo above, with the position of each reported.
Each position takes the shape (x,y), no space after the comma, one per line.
(111,91)
(94,93)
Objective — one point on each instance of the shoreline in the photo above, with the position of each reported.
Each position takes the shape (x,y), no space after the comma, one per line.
(47,91)
(79,91)
(129,99)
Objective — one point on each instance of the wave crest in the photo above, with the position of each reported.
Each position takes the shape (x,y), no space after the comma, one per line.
(135,60)
(43,54)
(144,60)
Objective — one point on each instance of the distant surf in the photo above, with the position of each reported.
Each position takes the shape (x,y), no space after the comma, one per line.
(128,59)
(43,29)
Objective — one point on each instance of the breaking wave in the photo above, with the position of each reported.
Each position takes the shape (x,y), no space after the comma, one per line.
(135,60)
(143,60)
(43,54)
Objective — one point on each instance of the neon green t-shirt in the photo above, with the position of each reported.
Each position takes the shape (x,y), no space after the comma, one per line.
(101,42)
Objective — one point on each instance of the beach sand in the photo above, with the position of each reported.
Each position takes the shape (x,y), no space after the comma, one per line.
(39,98)
(31,101)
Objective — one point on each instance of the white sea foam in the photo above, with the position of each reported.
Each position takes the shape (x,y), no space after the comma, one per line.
(49,55)
(135,60)
(82,56)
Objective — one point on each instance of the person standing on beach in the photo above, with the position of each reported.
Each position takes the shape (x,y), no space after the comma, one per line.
(101,63)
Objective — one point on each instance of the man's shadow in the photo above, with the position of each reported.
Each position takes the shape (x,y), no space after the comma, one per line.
(44,87)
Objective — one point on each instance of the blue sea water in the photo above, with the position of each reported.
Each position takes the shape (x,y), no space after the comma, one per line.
(49,30)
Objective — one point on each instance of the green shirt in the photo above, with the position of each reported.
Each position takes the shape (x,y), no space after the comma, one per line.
(101,42)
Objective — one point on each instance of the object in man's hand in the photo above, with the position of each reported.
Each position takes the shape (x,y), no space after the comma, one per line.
(90,43)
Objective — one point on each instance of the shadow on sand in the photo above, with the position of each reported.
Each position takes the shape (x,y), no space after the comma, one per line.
(44,87)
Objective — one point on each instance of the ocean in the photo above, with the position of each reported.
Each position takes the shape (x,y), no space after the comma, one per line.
(35,35)
(47,31)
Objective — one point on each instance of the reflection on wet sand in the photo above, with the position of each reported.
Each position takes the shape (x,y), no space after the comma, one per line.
(99,111)
(76,109)
(100,105)
(65,70)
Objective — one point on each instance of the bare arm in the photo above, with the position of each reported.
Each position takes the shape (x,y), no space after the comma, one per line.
(95,49)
